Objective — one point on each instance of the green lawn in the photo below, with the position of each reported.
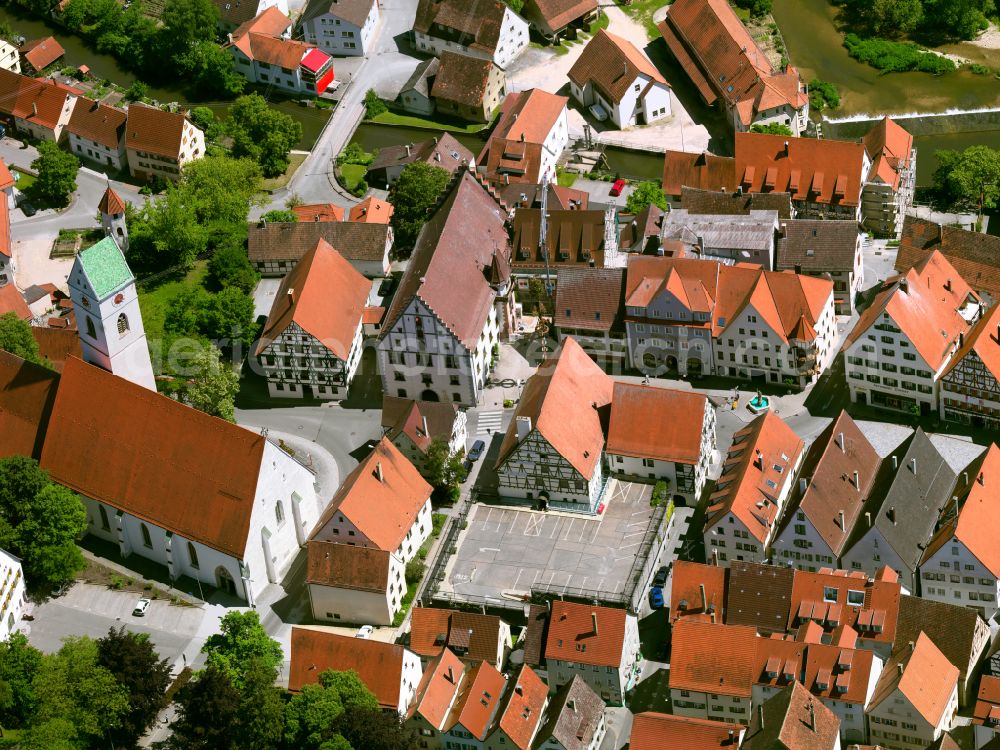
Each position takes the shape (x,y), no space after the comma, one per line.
(642,11)
(24,180)
(410,121)
(153,300)
(566,179)
(353,174)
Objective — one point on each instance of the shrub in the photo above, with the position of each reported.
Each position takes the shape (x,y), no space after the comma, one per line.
(659,494)
(117,583)
(374,106)
(980,70)
(508,403)
(415,570)
(895,56)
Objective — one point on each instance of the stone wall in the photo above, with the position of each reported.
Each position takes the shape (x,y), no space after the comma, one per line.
(952,121)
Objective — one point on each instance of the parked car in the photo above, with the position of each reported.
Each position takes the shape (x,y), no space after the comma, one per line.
(467,465)
(365,631)
(598,112)
(661,575)
(141,607)
(27,208)
(617,188)
(656,597)
(60,589)
(476,451)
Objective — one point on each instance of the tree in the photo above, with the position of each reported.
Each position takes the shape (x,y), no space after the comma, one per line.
(54,734)
(414,193)
(261,723)
(230,267)
(71,685)
(262,133)
(186,22)
(214,385)
(312,716)
(415,570)
(203,117)
(970,177)
(645,193)
(230,319)
(373,729)
(757,8)
(208,709)
(220,189)
(374,106)
(212,71)
(166,233)
(136,666)
(823,95)
(772,128)
(885,18)
(19,662)
(16,338)
(241,643)
(46,538)
(285,216)
(57,170)
(443,468)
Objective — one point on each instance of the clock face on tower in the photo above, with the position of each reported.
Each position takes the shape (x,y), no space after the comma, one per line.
(119,298)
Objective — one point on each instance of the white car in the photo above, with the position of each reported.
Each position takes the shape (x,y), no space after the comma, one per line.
(365,631)
(599,113)
(141,607)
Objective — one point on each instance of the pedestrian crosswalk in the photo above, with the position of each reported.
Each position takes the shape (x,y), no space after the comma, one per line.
(489,422)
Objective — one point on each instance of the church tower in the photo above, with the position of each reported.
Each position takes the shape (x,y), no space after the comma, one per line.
(108,318)
(112,209)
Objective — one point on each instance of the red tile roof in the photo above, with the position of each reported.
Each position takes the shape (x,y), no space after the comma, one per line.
(703,170)
(98,122)
(924,304)
(526,119)
(838,674)
(560,399)
(686,584)
(372,211)
(445,272)
(766,450)
(381,497)
(5,244)
(284,53)
(987,710)
(154,458)
(347,566)
(889,147)
(111,203)
(379,665)
(653,731)
(27,392)
(478,701)
(6,178)
(982,343)
(324,296)
(973,254)
(927,680)
(271,21)
(319,212)
(712,658)
(438,689)
(154,130)
(812,170)
(476,636)
(612,64)
(40,53)
(585,634)
(524,709)
(723,60)
(11,301)
(659,423)
(874,618)
(37,101)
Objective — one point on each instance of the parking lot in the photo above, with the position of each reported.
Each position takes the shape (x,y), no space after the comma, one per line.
(507,551)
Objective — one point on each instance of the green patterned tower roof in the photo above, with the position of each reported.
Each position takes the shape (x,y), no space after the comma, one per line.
(105,267)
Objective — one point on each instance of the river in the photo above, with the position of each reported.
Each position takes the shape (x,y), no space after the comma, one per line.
(106,67)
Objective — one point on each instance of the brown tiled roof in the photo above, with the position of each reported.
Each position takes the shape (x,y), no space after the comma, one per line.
(462,79)
(27,392)
(236,12)
(653,731)
(477,26)
(973,254)
(814,245)
(41,53)
(926,310)
(11,301)
(476,636)
(379,665)
(478,701)
(839,451)
(558,198)
(686,582)
(612,64)
(792,720)
(319,212)
(559,400)
(383,508)
(441,151)
(154,130)
(635,236)
(111,202)
(704,171)
(556,14)
(57,345)
(352,11)
(574,638)
(534,634)
(572,238)
(759,595)
(875,619)
(438,689)
(590,298)
(523,709)
(759,450)
(659,423)
(324,296)
(404,415)
(718,202)
(347,566)
(712,658)
(97,122)
(154,458)
(952,627)
(38,101)
(573,716)
(448,274)
(356,241)
(812,170)
(926,680)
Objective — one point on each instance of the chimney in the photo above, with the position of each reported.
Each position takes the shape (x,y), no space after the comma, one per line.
(704,599)
(593,620)
(812,716)
(947,285)
(903,285)
(913,465)
(759,459)
(857,481)
(892,514)
(841,514)
(760,715)
(998,333)
(435,139)
(518,689)
(840,441)
(34,109)
(523,427)
(424,425)
(912,646)
(739,189)
(378,471)
(451,676)
(712,617)
(868,515)
(571,704)
(786,148)
(291,296)
(900,668)
(895,463)
(803,484)
(961,339)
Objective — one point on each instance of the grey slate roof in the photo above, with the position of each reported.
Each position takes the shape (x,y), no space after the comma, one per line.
(752,232)
(352,11)
(572,726)
(699,201)
(443,151)
(817,245)
(420,80)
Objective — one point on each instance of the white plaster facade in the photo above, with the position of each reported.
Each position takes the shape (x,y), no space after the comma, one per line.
(99,152)
(609,682)
(342,530)
(731,708)
(338,36)
(871,552)
(512,42)
(144,165)
(297,80)
(338,604)
(12,594)
(9,57)
(297,364)
(801,546)
(953,575)
(646,101)
(43,132)
(553,145)
(285,507)
(896,724)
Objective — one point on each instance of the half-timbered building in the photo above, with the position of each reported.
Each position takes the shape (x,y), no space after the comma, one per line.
(970,386)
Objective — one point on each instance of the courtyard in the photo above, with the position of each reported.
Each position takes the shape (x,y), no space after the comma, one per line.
(505,552)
